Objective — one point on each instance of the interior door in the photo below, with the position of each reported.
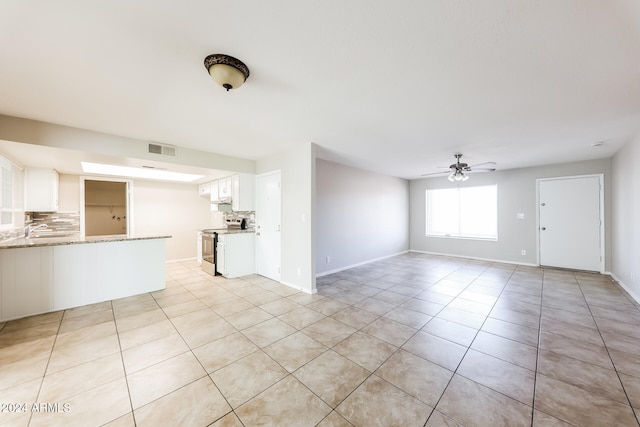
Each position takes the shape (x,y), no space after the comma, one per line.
(268,217)
(570,216)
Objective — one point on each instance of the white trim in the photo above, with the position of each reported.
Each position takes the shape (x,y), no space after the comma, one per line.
(476,258)
(600,176)
(626,288)
(129,211)
(326,273)
(170,261)
(296,287)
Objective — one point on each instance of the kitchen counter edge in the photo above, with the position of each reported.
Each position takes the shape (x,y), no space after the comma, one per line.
(227,231)
(77,240)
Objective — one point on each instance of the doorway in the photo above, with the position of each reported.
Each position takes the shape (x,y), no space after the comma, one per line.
(268,214)
(106,208)
(571,226)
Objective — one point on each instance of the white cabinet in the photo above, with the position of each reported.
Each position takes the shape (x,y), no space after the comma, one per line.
(236,255)
(26,276)
(244,192)
(213,191)
(224,187)
(40,190)
(40,279)
(204,189)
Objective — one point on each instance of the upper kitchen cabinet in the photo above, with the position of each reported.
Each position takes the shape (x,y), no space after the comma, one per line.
(213,192)
(40,190)
(224,187)
(243,192)
(204,189)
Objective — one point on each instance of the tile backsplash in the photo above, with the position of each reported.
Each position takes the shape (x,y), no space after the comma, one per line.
(57,222)
(250,216)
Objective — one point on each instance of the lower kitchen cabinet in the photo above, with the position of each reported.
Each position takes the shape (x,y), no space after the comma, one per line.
(236,254)
(26,278)
(40,279)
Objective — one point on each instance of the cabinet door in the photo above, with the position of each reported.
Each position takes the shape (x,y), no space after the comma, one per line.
(204,189)
(214,194)
(25,281)
(239,255)
(224,187)
(41,190)
(244,192)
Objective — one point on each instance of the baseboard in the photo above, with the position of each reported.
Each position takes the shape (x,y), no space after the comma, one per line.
(337,270)
(298,288)
(625,287)
(501,261)
(171,261)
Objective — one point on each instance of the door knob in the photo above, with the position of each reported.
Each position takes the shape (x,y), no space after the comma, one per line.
(543,228)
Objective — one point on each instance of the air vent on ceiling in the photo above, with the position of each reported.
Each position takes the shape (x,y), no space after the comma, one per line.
(163,150)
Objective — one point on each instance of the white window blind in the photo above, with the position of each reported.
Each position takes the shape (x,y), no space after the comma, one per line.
(468,212)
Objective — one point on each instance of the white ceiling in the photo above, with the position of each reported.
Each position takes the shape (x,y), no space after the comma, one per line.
(395,87)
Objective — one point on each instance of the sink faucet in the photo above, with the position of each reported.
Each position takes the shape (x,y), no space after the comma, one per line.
(29,229)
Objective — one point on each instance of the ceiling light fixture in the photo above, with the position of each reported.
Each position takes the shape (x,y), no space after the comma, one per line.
(227,71)
(131,172)
(458,175)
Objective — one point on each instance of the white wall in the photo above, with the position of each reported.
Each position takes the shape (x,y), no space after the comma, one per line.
(297,167)
(626,213)
(158,208)
(173,209)
(516,194)
(360,216)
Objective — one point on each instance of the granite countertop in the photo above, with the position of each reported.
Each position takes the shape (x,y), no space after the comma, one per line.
(229,230)
(72,240)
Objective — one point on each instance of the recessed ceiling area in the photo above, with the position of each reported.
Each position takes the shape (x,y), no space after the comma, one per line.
(392,87)
(68,161)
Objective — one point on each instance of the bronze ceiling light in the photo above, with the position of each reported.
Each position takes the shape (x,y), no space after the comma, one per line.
(227,71)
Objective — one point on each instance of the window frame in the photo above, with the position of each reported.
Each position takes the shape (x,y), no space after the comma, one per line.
(429,232)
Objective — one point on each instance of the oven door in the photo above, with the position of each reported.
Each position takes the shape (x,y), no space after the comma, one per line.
(209,253)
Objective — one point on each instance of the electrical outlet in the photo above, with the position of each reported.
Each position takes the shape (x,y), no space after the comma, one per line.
(523,252)
(328,259)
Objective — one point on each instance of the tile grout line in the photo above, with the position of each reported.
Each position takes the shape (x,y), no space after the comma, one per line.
(124,368)
(471,343)
(44,374)
(535,374)
(207,374)
(608,352)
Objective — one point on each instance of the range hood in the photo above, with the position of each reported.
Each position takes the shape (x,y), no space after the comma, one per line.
(222,201)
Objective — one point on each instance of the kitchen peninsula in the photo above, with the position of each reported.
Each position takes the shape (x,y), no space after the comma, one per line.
(40,275)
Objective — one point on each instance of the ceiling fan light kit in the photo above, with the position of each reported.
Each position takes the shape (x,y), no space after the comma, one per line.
(458,176)
(227,71)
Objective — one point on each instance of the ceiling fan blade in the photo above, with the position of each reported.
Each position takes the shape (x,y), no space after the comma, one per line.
(481,170)
(435,173)
(490,165)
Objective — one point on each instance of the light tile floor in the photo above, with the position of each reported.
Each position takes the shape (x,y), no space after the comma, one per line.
(414,340)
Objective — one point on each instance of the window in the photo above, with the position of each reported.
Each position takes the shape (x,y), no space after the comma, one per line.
(10,194)
(469,212)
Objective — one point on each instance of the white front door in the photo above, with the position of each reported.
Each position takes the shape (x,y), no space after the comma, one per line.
(268,214)
(570,214)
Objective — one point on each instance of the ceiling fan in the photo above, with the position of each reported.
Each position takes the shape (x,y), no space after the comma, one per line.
(458,169)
